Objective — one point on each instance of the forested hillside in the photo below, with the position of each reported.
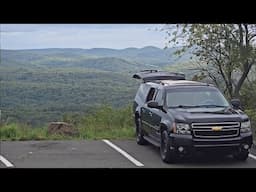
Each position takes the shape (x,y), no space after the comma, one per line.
(38,86)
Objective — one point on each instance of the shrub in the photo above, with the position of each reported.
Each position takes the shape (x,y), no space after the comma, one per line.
(252,115)
(8,131)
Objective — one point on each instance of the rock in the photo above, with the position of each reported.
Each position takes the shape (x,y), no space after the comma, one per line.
(62,128)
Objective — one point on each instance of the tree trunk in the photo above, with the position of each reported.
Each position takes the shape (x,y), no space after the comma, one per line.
(247,68)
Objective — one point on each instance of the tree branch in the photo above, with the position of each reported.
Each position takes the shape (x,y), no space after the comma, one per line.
(247,68)
(241,37)
(251,37)
(246,35)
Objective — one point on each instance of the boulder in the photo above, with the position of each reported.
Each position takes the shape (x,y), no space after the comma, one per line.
(62,128)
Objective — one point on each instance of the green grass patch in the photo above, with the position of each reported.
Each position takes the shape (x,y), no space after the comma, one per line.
(104,122)
(19,132)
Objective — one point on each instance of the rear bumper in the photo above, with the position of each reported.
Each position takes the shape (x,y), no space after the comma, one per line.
(228,145)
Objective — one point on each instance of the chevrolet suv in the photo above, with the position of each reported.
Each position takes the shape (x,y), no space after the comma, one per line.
(182,117)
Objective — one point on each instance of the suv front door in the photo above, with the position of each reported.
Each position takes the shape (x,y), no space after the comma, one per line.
(156,115)
(146,114)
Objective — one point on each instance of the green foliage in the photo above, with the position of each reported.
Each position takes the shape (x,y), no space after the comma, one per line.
(248,97)
(71,118)
(16,131)
(45,97)
(107,122)
(227,49)
(8,131)
(104,122)
(252,115)
(40,86)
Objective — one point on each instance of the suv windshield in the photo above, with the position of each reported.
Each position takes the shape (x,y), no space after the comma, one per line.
(195,97)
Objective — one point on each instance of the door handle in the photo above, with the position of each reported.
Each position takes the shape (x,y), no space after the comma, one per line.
(150,113)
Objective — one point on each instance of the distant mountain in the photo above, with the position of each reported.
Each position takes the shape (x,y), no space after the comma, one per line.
(133,58)
(40,85)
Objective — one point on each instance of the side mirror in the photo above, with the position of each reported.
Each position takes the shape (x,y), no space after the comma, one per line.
(153,104)
(236,103)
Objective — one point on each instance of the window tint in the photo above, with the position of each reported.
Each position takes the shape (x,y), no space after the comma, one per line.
(159,97)
(151,94)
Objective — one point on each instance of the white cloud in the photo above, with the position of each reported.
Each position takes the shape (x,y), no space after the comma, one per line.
(80,36)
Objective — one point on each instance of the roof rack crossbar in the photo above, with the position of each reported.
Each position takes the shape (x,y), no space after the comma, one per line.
(152,75)
(150,70)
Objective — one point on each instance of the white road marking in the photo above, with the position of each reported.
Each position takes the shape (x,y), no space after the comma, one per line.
(129,157)
(6,162)
(252,156)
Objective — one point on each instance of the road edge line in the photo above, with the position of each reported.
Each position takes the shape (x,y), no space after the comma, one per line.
(122,152)
(6,162)
(252,156)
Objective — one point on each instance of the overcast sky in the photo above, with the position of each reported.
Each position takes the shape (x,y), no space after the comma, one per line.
(116,36)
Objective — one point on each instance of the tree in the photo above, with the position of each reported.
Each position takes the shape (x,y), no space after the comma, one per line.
(227,50)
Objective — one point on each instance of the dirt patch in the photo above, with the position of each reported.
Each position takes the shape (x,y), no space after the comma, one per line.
(62,128)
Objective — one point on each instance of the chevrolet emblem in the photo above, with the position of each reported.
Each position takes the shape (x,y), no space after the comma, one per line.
(216,128)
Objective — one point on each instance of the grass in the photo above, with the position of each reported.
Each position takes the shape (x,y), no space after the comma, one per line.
(104,122)
(109,123)
(16,132)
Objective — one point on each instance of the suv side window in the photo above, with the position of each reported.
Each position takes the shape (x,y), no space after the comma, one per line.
(142,93)
(151,94)
(159,97)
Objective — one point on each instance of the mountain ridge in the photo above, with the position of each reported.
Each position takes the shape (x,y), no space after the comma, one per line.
(148,55)
(41,85)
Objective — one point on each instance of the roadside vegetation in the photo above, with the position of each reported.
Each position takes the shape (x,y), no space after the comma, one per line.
(105,122)
(70,85)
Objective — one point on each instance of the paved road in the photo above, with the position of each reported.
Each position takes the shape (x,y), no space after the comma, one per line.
(100,154)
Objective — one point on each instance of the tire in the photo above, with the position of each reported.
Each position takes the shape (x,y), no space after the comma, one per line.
(241,155)
(167,155)
(139,134)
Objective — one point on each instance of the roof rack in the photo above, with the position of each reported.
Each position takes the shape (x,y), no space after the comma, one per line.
(154,75)
(183,82)
(149,70)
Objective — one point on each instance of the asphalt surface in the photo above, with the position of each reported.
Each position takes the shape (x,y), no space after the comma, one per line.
(98,154)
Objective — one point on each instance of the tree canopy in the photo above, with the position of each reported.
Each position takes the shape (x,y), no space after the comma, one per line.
(227,50)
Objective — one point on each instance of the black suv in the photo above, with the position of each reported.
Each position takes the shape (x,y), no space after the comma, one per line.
(183,117)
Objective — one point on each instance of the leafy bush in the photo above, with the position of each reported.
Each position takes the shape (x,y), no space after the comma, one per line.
(252,115)
(8,131)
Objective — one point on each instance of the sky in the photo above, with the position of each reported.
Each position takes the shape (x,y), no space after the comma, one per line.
(115,36)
